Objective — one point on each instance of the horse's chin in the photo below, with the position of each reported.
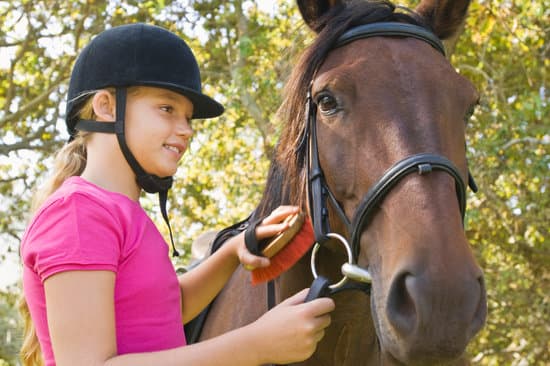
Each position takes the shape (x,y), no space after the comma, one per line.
(413,350)
(423,358)
(389,359)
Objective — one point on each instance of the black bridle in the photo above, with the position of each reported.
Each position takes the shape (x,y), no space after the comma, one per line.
(318,190)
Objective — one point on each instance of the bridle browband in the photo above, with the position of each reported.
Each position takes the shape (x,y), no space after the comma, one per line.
(424,163)
(390,29)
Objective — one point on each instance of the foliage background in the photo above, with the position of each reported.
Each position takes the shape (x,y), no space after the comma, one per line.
(246,49)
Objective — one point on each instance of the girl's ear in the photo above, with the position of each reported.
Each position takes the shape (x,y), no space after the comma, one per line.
(104,106)
(311,10)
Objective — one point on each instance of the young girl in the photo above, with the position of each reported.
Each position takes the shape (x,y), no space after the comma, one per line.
(97,278)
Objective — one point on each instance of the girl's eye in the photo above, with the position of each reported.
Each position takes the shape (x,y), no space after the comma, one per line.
(167,108)
(327,104)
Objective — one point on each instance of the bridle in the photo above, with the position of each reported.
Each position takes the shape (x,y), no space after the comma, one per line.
(319,192)
(423,163)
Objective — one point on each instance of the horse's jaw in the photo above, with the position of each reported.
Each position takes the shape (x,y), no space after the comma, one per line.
(397,351)
(427,341)
(387,359)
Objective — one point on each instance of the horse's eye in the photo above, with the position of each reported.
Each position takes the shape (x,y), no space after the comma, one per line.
(328,105)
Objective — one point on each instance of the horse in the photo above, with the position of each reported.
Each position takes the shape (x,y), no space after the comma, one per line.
(374,149)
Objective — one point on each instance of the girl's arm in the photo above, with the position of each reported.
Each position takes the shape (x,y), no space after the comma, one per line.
(80,310)
(200,285)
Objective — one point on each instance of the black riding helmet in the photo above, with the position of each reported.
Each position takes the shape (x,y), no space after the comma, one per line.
(136,55)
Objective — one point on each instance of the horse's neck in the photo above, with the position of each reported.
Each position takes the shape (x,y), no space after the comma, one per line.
(351,339)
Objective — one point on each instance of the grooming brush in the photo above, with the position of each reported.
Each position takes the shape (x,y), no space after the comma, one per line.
(286,248)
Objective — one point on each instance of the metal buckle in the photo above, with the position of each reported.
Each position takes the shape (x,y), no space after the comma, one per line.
(344,242)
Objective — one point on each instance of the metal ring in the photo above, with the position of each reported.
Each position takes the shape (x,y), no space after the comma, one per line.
(345,243)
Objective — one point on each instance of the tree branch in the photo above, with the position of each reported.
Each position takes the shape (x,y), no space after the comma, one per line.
(26,143)
(10,93)
(33,38)
(246,98)
(32,104)
(11,179)
(529,140)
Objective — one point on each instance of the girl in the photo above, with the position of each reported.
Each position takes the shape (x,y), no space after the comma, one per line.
(97,279)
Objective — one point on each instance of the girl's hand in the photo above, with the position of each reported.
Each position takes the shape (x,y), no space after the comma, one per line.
(269,227)
(291,330)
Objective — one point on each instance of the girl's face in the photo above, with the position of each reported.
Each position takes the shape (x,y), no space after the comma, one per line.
(158,128)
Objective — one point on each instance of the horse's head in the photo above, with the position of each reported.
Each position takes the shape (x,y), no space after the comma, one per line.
(379,100)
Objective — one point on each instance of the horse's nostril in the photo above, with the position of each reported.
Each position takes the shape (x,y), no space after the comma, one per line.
(415,303)
(401,309)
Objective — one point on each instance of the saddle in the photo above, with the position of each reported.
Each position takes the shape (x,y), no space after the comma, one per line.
(194,327)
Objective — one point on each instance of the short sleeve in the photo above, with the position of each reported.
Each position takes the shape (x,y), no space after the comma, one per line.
(74,232)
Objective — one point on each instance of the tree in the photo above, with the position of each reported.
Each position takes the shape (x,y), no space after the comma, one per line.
(246,51)
(9,328)
(505,52)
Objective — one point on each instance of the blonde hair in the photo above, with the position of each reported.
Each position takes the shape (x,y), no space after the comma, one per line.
(69,161)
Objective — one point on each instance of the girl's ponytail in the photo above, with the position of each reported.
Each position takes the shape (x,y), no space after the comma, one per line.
(69,161)
(30,352)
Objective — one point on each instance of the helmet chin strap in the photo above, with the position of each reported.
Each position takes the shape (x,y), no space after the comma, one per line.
(148,182)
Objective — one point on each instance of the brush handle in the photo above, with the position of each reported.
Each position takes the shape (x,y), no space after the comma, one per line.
(319,288)
(277,243)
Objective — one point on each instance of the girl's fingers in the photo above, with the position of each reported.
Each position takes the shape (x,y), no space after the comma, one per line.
(297,298)
(275,223)
(318,307)
(319,335)
(323,321)
(265,231)
(251,262)
(279,214)
(271,226)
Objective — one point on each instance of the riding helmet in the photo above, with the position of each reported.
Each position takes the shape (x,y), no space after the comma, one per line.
(133,55)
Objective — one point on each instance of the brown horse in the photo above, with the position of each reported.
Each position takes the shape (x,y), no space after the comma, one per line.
(384,103)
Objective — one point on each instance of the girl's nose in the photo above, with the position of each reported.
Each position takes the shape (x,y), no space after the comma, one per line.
(183,128)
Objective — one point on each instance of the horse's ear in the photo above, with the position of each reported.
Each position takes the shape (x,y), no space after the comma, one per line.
(311,10)
(445,16)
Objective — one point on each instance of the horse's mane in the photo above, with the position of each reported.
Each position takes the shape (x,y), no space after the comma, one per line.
(287,178)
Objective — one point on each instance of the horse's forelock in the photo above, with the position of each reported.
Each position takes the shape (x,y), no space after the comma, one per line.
(287,180)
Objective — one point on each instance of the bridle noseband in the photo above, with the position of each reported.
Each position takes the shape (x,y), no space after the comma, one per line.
(424,163)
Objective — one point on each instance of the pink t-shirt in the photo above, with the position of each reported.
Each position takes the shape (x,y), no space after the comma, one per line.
(84,227)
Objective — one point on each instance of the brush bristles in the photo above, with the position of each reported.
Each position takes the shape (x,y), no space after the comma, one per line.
(288,256)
